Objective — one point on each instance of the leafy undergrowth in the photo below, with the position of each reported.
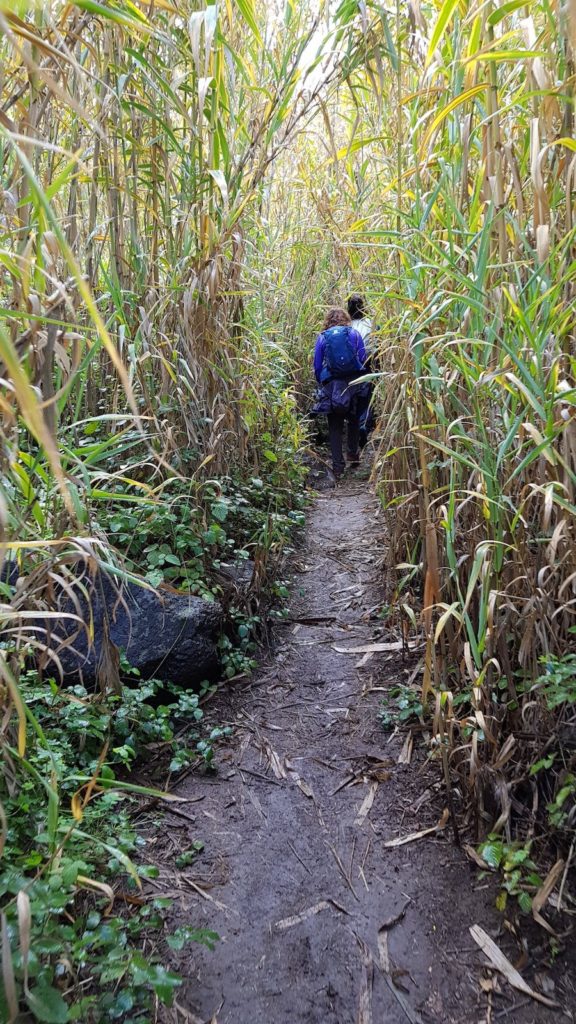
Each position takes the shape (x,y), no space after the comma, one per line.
(185,533)
(73,911)
(527,840)
(75,921)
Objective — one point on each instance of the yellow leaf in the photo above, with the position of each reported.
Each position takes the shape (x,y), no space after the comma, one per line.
(463,97)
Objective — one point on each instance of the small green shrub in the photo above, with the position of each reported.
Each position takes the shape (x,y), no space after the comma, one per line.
(66,846)
(558,683)
(401,705)
(519,873)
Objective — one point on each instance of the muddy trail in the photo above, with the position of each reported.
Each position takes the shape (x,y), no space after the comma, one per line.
(321,922)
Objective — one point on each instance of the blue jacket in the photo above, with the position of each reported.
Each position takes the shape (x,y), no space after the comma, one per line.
(319,351)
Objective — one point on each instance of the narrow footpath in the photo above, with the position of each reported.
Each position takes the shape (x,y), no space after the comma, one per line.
(320,922)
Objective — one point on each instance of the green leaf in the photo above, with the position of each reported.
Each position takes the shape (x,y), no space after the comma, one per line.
(247,10)
(134,20)
(47,1005)
(183,935)
(501,900)
(124,1002)
(501,12)
(444,17)
(492,854)
(220,511)
(525,901)
(517,857)
(162,981)
(271,456)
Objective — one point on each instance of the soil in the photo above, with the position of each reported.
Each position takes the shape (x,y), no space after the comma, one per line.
(319,921)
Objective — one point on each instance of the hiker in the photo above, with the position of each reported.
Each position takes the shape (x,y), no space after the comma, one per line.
(360,322)
(339,358)
(363,324)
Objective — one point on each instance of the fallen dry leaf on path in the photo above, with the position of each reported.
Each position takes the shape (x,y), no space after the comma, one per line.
(383,954)
(405,755)
(304,787)
(364,659)
(273,760)
(289,922)
(391,978)
(365,1002)
(475,856)
(295,778)
(391,921)
(206,895)
(501,962)
(366,805)
(187,1017)
(342,785)
(397,645)
(401,840)
(544,893)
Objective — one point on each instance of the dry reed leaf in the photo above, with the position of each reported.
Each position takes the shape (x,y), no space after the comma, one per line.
(273,760)
(295,778)
(543,249)
(544,893)
(405,755)
(391,921)
(304,787)
(366,805)
(475,856)
(413,836)
(92,883)
(342,785)
(364,659)
(290,922)
(8,971)
(397,645)
(24,929)
(206,895)
(365,1002)
(505,753)
(501,963)
(383,954)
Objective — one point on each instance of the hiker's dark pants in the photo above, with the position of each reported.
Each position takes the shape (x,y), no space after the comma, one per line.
(366,415)
(336,434)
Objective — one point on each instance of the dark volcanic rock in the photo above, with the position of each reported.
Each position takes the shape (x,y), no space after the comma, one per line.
(166,635)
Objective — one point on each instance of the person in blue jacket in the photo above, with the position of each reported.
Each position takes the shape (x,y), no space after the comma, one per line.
(339,358)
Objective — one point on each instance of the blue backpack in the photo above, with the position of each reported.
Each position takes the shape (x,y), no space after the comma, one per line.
(340,356)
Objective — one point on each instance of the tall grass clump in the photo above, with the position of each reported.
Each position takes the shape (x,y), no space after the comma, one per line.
(469,223)
(149,428)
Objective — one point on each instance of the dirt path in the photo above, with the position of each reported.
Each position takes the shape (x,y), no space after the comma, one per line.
(320,923)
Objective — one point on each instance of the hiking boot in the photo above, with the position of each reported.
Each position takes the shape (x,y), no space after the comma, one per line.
(353,460)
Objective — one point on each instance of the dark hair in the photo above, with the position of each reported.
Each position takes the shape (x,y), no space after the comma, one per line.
(356,307)
(336,318)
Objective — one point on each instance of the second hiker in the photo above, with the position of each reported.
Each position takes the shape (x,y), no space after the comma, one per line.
(339,358)
(362,323)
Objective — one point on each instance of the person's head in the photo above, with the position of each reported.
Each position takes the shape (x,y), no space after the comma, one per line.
(336,318)
(356,307)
